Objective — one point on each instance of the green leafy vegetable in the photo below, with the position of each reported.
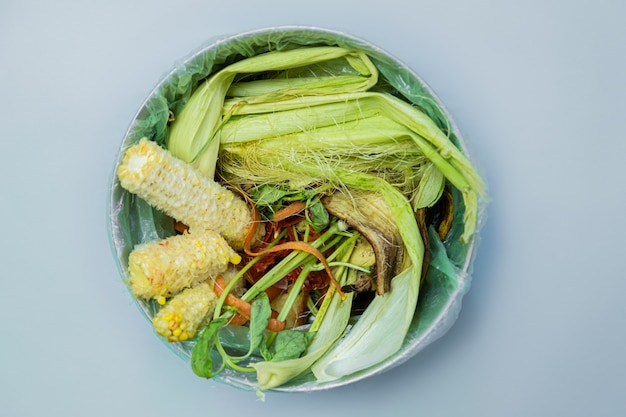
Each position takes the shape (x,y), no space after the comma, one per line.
(268,195)
(260,314)
(317,215)
(201,361)
(289,344)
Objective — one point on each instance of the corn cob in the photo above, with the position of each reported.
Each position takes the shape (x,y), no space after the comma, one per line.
(164,267)
(180,318)
(182,192)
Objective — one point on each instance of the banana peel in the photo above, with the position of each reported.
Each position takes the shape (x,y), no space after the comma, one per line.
(368,213)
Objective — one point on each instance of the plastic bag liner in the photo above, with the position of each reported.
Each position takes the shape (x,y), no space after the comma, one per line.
(132,221)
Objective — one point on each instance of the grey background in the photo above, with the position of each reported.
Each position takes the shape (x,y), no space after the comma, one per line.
(537,89)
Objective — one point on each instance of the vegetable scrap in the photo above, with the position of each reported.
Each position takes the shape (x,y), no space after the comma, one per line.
(302,190)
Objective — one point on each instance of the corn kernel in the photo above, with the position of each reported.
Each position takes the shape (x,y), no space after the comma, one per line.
(235,259)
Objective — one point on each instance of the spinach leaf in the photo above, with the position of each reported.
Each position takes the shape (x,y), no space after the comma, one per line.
(260,313)
(289,344)
(265,352)
(201,362)
(267,195)
(317,215)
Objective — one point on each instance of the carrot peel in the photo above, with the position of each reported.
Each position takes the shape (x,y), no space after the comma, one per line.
(243,307)
(294,245)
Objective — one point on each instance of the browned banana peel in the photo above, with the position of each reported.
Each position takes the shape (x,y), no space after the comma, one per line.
(420,217)
(368,213)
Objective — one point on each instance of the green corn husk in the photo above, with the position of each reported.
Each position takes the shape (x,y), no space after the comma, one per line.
(326,122)
(192,135)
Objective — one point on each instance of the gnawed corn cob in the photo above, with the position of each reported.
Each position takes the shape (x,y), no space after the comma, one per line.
(164,267)
(182,192)
(181,316)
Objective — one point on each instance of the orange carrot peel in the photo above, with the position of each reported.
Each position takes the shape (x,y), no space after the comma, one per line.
(294,245)
(243,308)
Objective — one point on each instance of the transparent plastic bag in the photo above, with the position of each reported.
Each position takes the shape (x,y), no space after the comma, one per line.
(133,221)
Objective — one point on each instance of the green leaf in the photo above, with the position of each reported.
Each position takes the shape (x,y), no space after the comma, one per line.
(201,362)
(260,313)
(265,352)
(266,195)
(317,215)
(289,344)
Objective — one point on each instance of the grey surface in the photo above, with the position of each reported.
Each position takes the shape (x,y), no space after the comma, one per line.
(537,90)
